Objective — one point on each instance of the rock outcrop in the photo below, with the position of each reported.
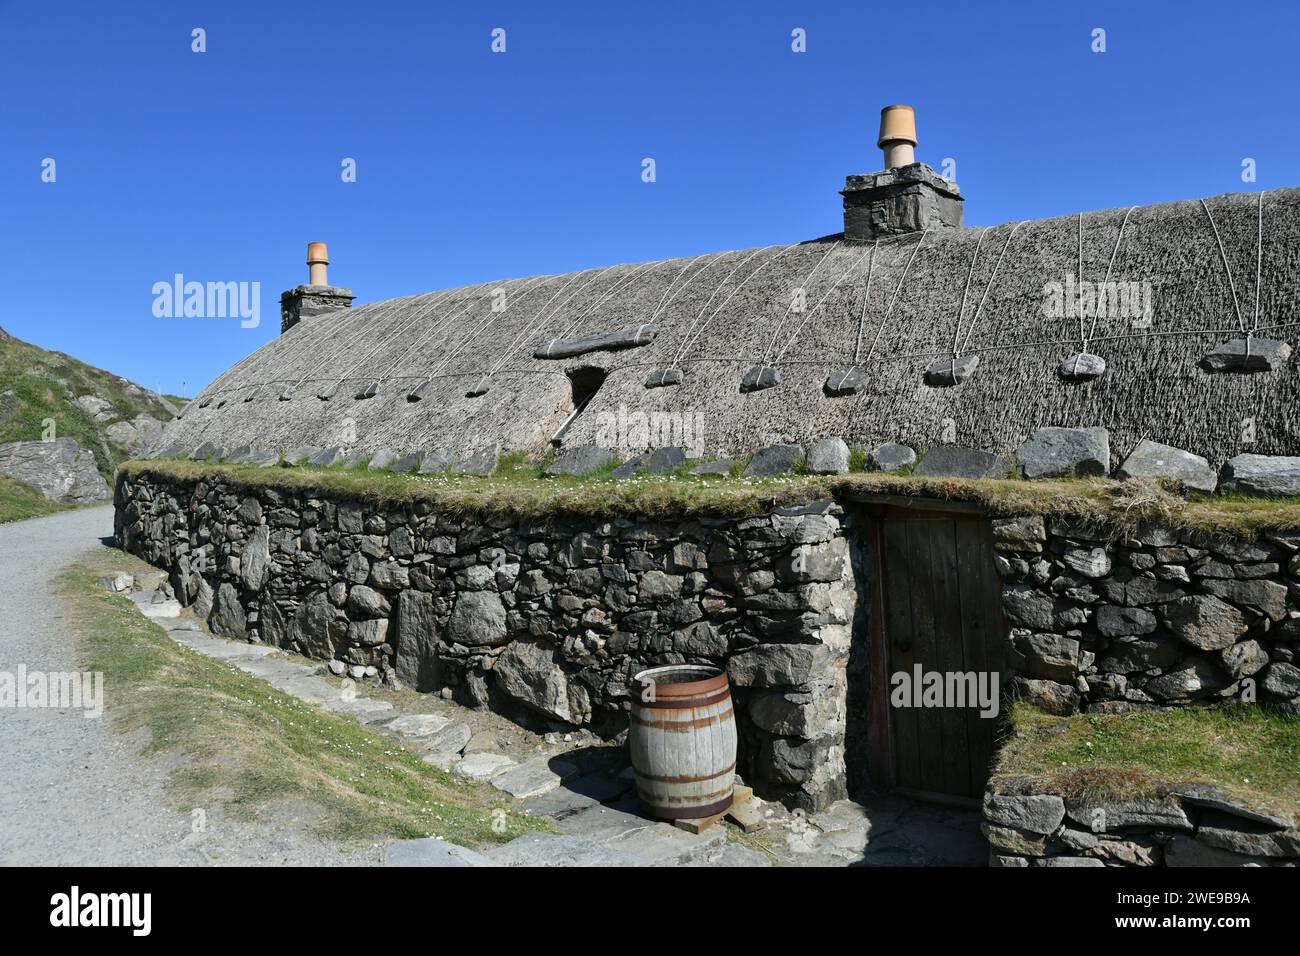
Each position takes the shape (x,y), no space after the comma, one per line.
(61,470)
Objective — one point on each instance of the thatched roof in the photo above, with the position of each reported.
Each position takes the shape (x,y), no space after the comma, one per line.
(716,316)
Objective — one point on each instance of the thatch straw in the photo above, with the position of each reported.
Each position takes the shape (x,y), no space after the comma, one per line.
(1153,387)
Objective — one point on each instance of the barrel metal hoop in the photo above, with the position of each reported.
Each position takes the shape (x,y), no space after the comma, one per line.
(730,768)
(691,813)
(683,726)
(682,703)
(685,689)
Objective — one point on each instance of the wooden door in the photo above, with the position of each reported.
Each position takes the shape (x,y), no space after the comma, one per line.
(938,604)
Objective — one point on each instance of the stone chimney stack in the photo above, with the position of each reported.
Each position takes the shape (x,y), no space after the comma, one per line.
(906,196)
(305,302)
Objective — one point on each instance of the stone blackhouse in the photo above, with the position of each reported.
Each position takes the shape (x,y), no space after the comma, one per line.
(1138,344)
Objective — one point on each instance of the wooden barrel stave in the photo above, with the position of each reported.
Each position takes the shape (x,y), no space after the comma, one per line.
(683,742)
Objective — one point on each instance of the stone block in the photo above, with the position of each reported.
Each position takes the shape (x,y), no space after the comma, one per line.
(1153,460)
(1065,453)
(953,461)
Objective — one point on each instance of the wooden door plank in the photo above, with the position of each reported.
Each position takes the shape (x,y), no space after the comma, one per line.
(929,722)
(950,656)
(899,638)
(973,584)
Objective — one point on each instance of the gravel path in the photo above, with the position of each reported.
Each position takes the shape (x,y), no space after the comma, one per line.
(73,792)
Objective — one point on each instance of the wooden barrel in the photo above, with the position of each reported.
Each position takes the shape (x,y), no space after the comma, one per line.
(682,738)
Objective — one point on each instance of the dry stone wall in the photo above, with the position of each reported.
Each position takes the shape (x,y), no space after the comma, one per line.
(548,619)
(1162,618)
(545,620)
(1192,825)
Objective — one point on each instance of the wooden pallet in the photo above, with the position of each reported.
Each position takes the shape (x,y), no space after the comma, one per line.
(740,813)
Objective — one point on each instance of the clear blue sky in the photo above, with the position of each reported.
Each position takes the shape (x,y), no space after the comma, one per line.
(473,166)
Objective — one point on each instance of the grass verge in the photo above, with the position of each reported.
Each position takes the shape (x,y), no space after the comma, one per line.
(1249,751)
(18,501)
(250,747)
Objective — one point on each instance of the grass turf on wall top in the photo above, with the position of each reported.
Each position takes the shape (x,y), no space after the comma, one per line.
(1245,750)
(519,490)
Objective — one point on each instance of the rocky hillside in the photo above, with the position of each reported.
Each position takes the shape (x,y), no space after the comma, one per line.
(65,425)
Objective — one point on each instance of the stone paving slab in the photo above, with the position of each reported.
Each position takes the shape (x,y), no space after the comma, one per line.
(418,725)
(541,849)
(269,667)
(367,710)
(602,822)
(735,855)
(535,777)
(432,851)
(163,609)
(483,765)
(449,741)
(662,844)
(229,651)
(311,689)
(575,795)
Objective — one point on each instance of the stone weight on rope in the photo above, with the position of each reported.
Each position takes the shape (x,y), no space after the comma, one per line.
(1247,355)
(251,395)
(845,381)
(760,377)
(1081,367)
(205,402)
(328,392)
(420,391)
(946,372)
(662,377)
(479,388)
(369,390)
(286,393)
